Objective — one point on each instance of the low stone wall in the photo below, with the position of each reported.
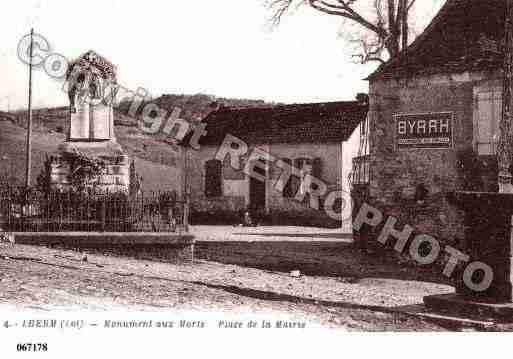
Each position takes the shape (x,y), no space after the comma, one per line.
(168,247)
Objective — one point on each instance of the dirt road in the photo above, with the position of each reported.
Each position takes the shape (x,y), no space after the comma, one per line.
(49,279)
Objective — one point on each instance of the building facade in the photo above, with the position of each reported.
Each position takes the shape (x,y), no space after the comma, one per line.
(308,137)
(433,120)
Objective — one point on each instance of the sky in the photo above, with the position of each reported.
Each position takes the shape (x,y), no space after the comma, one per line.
(224,48)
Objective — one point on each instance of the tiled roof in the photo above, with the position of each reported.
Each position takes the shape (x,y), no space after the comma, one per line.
(300,123)
(466,35)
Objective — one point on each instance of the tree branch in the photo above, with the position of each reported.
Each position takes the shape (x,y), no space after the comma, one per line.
(410,5)
(370,51)
(388,28)
(361,20)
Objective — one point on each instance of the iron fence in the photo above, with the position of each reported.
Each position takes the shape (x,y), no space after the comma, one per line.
(360,175)
(24,210)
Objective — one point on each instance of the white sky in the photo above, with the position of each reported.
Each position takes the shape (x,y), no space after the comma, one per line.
(223,48)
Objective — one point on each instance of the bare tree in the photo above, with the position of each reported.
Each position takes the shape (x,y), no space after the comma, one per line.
(385,22)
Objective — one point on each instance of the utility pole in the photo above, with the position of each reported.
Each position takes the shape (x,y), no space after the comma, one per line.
(185,188)
(504,147)
(8,104)
(29,125)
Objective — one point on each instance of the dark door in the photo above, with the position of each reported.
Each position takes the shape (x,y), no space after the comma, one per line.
(257,191)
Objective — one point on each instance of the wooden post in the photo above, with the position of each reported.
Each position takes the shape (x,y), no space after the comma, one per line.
(185,189)
(504,147)
(29,125)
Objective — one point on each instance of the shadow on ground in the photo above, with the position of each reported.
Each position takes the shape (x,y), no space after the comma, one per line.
(314,258)
(398,314)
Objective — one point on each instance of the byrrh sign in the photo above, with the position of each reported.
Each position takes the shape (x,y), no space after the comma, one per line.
(426,130)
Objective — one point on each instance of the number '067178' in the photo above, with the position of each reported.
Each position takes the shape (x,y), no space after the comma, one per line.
(32,347)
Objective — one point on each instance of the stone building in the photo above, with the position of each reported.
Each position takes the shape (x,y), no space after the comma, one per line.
(309,137)
(433,119)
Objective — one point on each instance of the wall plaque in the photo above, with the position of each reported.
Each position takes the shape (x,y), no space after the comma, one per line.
(425,130)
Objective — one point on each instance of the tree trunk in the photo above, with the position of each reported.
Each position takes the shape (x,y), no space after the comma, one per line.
(505,139)
(404,23)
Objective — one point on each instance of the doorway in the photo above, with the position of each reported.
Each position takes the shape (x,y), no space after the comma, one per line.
(257,190)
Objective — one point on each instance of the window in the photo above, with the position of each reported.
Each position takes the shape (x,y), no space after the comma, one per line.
(230,173)
(213,178)
(305,166)
(486,120)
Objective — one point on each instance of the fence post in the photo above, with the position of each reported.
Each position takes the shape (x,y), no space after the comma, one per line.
(186,213)
(103,210)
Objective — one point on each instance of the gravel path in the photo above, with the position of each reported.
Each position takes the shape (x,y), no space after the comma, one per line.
(50,279)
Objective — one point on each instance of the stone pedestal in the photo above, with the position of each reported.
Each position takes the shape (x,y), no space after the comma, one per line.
(488,239)
(114,177)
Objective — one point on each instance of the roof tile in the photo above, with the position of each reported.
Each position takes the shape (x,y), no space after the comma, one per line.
(310,123)
(466,35)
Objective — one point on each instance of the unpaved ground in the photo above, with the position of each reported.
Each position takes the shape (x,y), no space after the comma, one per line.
(314,251)
(352,295)
(35,277)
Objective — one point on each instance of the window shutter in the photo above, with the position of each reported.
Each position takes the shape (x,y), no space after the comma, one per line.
(317,168)
(259,170)
(484,127)
(497,109)
(213,178)
(287,190)
(489,110)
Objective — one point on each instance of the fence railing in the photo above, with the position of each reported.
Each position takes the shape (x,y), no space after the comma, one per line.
(361,170)
(34,211)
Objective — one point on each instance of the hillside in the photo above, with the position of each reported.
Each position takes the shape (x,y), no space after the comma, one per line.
(193,108)
(156,159)
(12,150)
(153,148)
(196,107)
(156,176)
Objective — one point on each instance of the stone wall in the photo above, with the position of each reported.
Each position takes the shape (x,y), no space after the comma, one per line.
(168,247)
(396,174)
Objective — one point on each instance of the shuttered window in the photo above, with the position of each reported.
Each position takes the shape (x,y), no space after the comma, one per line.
(306,166)
(213,178)
(486,121)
